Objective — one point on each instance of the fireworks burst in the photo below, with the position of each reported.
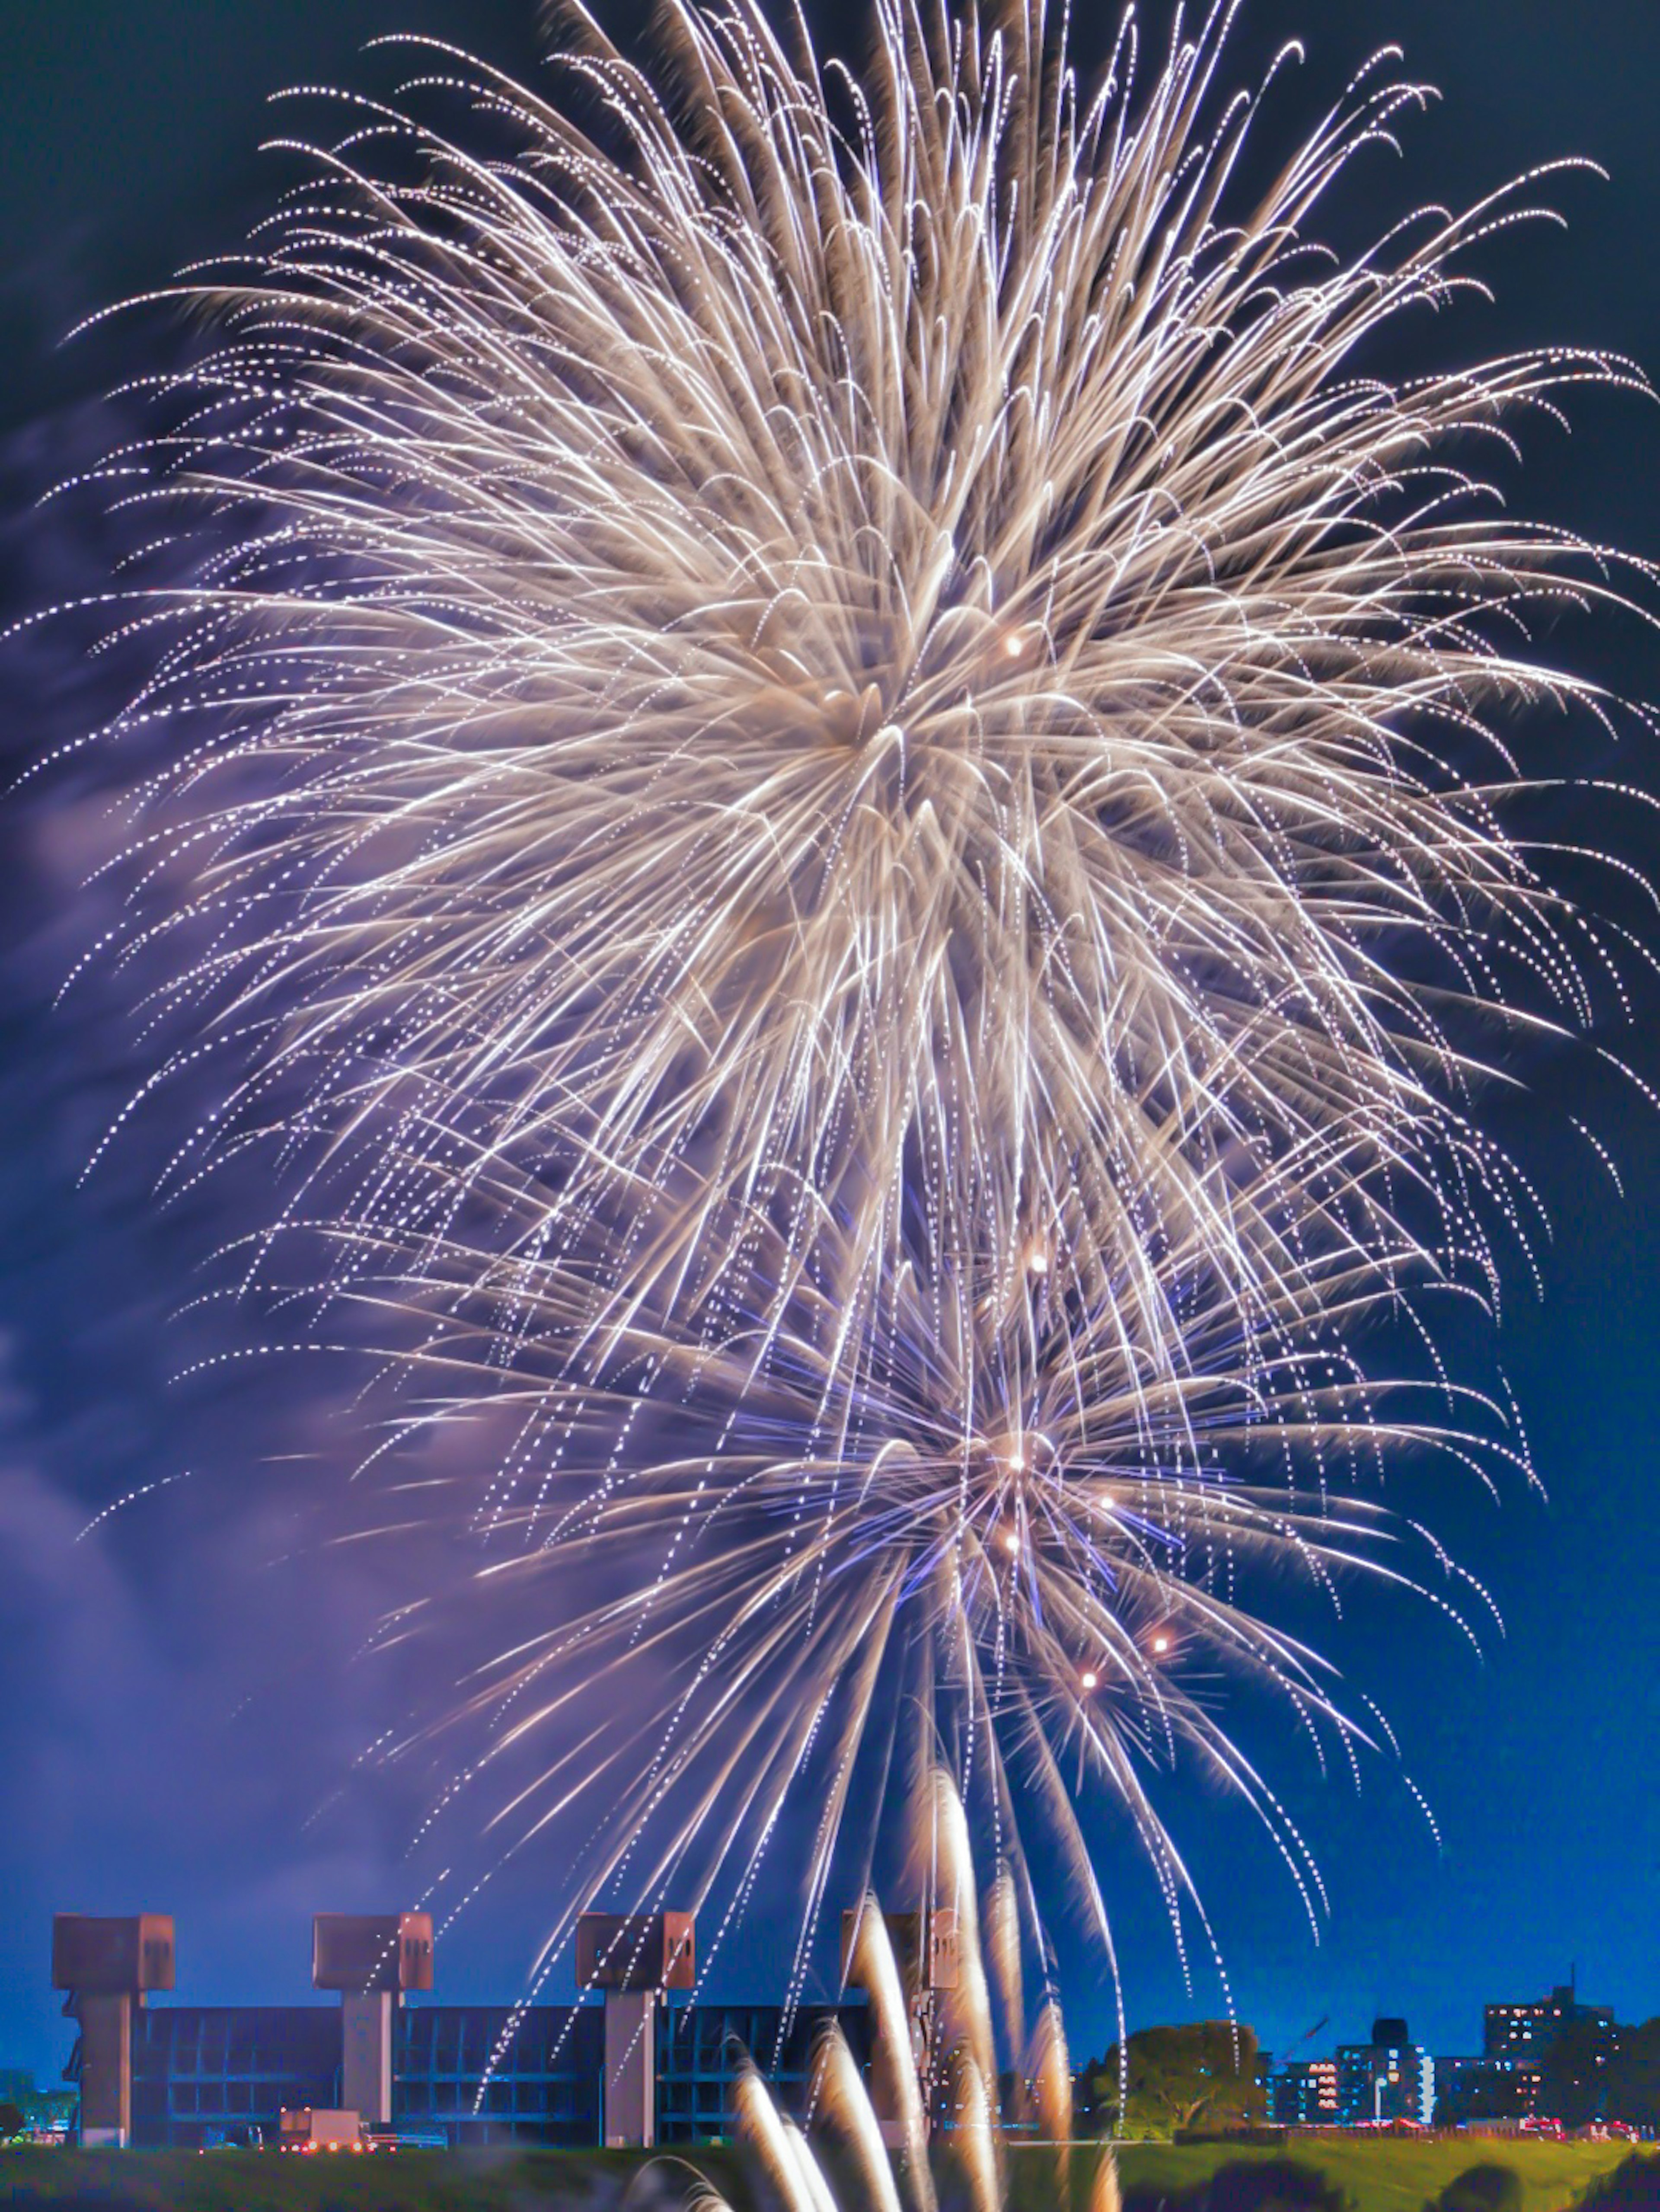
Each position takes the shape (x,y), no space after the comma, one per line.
(837,787)
(1018,1531)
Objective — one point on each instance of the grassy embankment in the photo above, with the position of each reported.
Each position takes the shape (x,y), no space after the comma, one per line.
(1394,2176)
(408,2181)
(1377,2177)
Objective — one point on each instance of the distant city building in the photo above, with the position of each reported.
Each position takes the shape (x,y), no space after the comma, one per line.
(1390,2078)
(45,2112)
(1303,2094)
(1485,2089)
(1527,2031)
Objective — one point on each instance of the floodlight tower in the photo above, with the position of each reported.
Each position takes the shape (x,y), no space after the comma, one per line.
(108,1966)
(634,1958)
(372,1959)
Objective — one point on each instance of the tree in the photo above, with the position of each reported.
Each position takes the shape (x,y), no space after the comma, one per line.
(1485,2188)
(1203,2075)
(12,2122)
(1630,2188)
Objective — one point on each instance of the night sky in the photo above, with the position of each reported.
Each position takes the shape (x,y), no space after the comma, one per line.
(179,1707)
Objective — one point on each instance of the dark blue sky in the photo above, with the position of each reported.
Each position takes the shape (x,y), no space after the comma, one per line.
(178,1703)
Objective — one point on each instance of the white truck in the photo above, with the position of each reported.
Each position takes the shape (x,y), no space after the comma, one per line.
(310,2129)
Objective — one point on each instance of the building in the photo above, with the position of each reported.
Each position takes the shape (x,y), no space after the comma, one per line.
(372,1961)
(203,2071)
(1303,2094)
(1527,2031)
(546,2085)
(635,2062)
(1485,2089)
(1390,2078)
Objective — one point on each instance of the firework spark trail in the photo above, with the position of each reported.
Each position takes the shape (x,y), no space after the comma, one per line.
(802,669)
(844,2103)
(684,1702)
(837,792)
(843,2108)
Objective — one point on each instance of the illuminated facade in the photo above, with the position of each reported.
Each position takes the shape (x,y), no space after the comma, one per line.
(1390,2078)
(1305,2094)
(1527,2031)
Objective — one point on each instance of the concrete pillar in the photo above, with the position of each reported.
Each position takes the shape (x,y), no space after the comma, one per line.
(365,2054)
(631,2069)
(106,2072)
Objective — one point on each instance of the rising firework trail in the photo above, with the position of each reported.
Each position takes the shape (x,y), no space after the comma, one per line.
(959,2076)
(837,792)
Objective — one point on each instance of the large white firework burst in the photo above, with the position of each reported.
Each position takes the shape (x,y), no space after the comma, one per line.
(863,667)
(839,775)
